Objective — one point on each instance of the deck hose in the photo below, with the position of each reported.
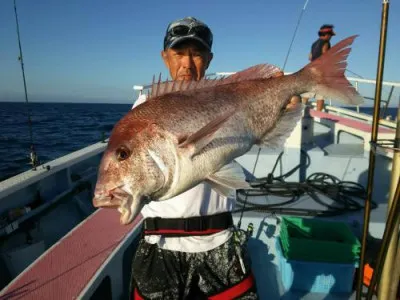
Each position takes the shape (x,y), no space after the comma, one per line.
(342,193)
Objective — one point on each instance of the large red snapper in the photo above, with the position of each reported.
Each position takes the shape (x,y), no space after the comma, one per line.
(189,132)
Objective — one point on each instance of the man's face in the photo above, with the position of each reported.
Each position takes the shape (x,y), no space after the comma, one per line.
(326,37)
(187,61)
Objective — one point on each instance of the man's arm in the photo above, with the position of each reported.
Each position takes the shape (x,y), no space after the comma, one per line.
(325,48)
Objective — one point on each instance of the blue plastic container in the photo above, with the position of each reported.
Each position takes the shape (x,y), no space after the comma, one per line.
(315,277)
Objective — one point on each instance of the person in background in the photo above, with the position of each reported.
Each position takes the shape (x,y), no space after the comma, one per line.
(318,48)
(171,262)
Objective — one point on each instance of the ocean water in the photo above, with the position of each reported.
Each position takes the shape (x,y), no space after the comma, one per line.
(58,129)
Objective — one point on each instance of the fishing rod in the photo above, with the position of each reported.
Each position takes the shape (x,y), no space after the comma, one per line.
(294,34)
(386,269)
(33,155)
(374,135)
(354,73)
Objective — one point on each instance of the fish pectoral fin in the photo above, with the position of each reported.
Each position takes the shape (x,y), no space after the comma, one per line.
(201,138)
(228,179)
(277,136)
(221,189)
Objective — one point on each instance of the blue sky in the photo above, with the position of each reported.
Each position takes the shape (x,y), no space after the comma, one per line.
(84,50)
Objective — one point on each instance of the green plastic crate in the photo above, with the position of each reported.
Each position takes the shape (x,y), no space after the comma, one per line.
(317,240)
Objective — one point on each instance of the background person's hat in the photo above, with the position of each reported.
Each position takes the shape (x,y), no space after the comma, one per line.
(188,28)
(326,29)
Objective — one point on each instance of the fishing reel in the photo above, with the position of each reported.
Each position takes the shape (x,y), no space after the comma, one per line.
(241,237)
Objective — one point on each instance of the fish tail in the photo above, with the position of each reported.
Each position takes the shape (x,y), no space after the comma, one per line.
(327,74)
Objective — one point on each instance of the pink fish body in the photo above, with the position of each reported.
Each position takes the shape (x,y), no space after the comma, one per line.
(190,132)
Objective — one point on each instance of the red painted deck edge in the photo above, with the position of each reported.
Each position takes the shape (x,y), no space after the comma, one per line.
(64,271)
(348,122)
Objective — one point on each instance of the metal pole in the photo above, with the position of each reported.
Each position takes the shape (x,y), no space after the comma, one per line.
(385,288)
(358,106)
(390,230)
(396,274)
(374,134)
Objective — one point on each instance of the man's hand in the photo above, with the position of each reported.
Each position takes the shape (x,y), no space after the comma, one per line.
(278,74)
(294,101)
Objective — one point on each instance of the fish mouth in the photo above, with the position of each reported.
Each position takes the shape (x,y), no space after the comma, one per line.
(128,205)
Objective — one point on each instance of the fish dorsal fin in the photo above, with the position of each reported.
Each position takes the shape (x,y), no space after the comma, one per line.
(277,136)
(261,71)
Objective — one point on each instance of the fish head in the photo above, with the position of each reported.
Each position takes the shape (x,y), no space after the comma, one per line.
(135,168)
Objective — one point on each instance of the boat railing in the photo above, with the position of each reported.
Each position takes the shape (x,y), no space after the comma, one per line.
(83,184)
(357,81)
(358,115)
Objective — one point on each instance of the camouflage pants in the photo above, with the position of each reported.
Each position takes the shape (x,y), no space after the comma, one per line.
(164,274)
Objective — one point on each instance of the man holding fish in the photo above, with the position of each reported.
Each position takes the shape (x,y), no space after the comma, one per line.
(187,55)
(171,158)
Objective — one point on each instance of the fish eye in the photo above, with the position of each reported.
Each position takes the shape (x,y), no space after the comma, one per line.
(122,153)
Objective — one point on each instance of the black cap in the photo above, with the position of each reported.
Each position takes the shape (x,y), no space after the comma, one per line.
(188,28)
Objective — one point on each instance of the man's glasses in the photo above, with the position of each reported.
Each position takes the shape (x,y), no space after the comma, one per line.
(183,30)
